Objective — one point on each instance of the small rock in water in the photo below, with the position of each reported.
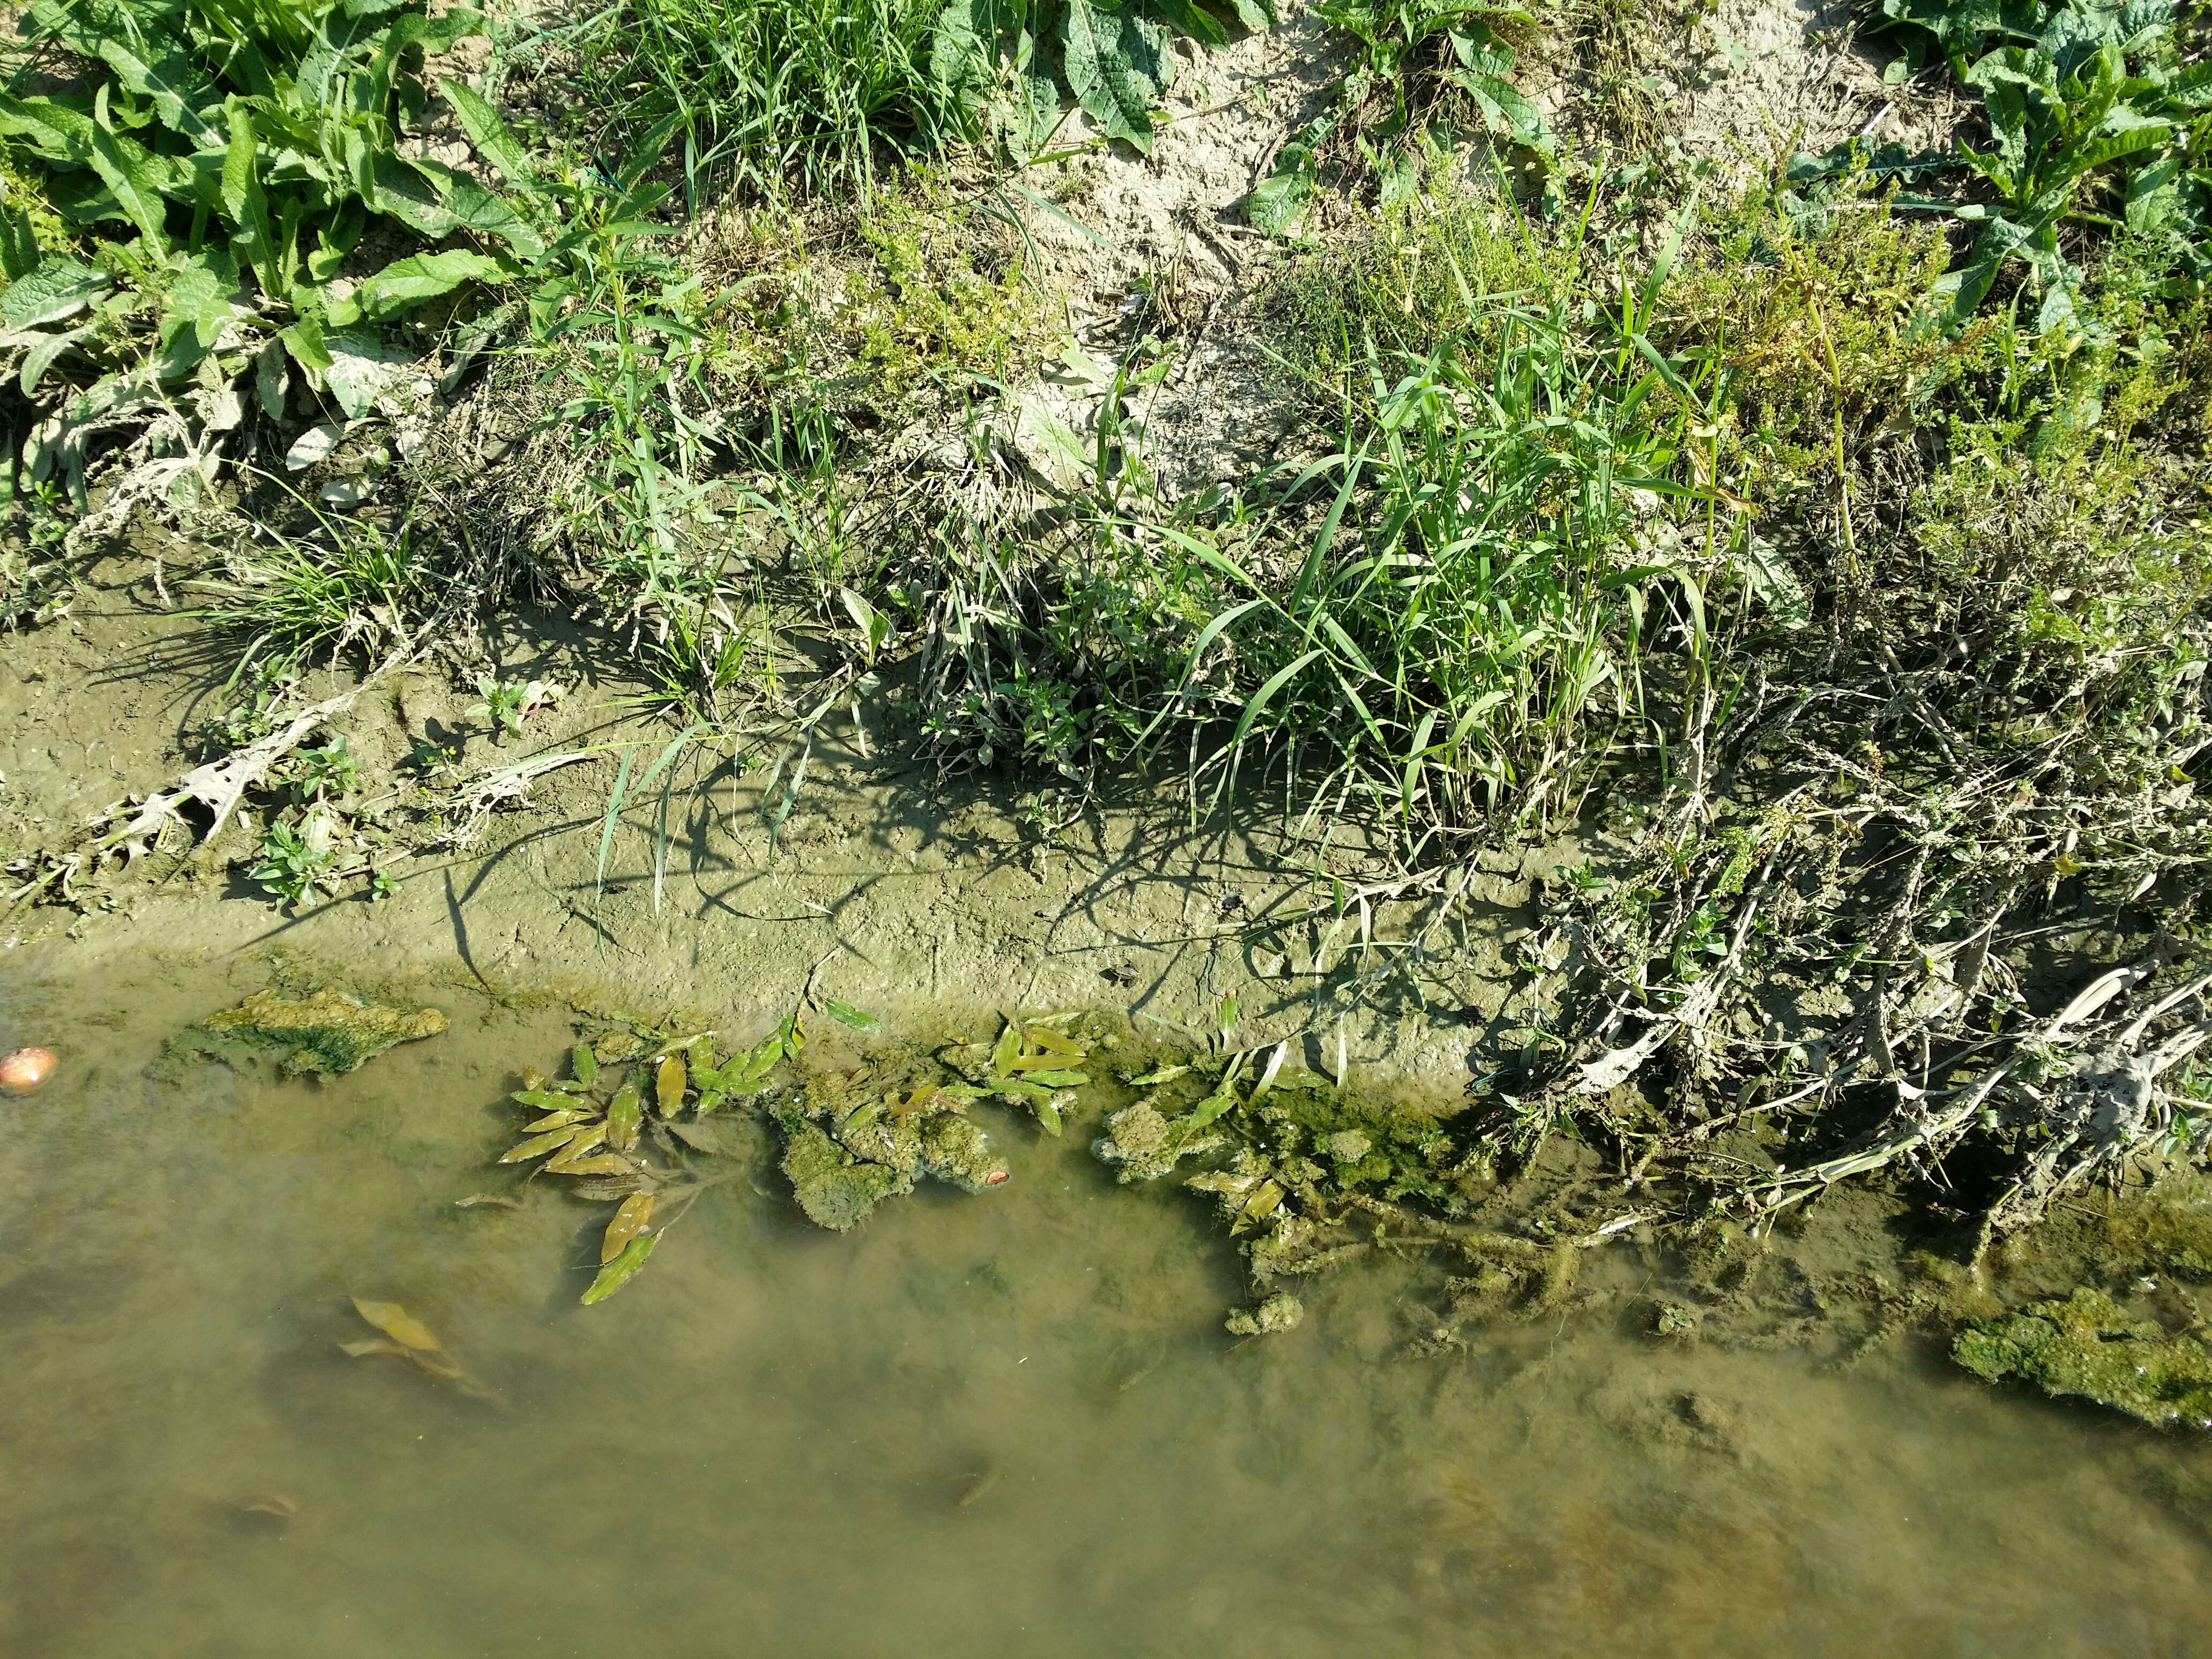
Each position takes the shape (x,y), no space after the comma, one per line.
(25,1070)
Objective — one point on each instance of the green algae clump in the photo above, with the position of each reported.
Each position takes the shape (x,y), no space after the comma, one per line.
(2088,1346)
(849,1145)
(835,1189)
(327,1034)
(1280,1312)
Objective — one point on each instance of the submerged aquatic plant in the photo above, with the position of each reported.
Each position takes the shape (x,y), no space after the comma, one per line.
(2088,1346)
(327,1033)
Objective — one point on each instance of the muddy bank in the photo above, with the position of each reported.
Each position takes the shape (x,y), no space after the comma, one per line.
(885,880)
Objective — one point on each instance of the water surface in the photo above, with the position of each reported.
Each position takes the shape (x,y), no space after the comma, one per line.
(1003,1425)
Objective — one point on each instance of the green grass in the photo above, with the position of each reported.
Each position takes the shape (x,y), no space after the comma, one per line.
(773,94)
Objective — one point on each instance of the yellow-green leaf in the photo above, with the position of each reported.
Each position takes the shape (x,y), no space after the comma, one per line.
(624,1269)
(562,1119)
(587,1063)
(628,1222)
(539,1145)
(369,1345)
(585,1140)
(624,1116)
(396,1322)
(1043,1036)
(669,1082)
(1008,1049)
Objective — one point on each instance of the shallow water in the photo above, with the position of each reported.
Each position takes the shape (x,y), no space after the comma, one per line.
(1007,1424)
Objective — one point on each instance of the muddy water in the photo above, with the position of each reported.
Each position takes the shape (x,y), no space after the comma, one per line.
(1006,1424)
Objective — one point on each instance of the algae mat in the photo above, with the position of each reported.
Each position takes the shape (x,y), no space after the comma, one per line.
(1000,1423)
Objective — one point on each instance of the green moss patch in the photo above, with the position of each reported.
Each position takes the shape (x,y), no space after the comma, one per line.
(326,1034)
(2088,1346)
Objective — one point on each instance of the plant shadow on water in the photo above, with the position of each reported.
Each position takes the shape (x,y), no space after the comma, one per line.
(1004,1423)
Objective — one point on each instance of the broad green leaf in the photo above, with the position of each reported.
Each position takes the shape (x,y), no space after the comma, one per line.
(42,357)
(244,200)
(1106,54)
(405,283)
(490,136)
(1278,200)
(584,1063)
(304,340)
(492,215)
(963,48)
(126,168)
(846,1014)
(408,194)
(624,1269)
(60,287)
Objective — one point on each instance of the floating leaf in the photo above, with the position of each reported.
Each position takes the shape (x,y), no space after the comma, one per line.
(494,1201)
(585,1140)
(539,1145)
(606,1163)
(669,1082)
(1007,1049)
(1048,1115)
(846,1014)
(563,1119)
(624,1116)
(1060,1080)
(584,1063)
(545,1100)
(1043,1036)
(628,1222)
(532,1078)
(624,1269)
(396,1322)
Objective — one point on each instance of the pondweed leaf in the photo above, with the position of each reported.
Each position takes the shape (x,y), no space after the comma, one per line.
(396,1322)
(1043,1036)
(606,1164)
(624,1269)
(1006,1050)
(846,1014)
(669,1082)
(371,1345)
(1228,1013)
(601,1189)
(1048,1115)
(585,1062)
(487,1201)
(545,1100)
(624,1114)
(1060,1080)
(552,1121)
(628,1222)
(585,1140)
(539,1145)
